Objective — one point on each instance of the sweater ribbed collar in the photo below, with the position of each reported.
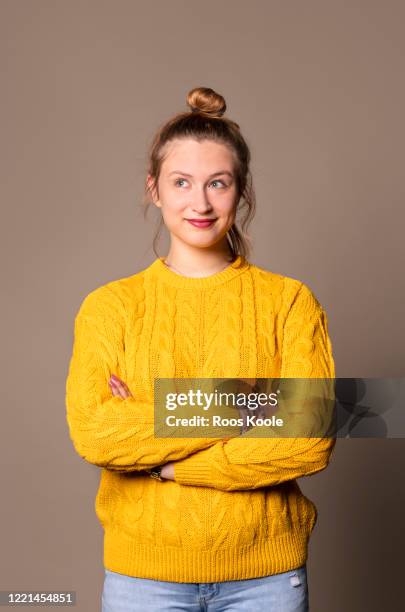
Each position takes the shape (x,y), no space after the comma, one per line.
(162,272)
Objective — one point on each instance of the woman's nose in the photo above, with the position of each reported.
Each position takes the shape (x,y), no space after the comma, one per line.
(201,202)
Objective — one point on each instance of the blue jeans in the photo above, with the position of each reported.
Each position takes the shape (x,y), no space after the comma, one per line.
(285,592)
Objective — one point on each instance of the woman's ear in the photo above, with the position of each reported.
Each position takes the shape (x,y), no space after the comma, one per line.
(151,184)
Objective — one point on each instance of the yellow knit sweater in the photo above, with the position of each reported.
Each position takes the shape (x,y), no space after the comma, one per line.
(234,510)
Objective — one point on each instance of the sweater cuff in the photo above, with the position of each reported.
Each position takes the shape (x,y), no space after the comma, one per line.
(193,471)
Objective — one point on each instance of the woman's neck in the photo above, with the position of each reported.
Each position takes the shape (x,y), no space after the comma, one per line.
(203,273)
(203,263)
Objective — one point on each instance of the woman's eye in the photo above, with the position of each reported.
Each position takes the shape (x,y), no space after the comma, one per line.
(179,181)
(217,182)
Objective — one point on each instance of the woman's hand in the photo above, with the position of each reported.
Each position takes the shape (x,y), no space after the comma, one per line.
(168,471)
(119,388)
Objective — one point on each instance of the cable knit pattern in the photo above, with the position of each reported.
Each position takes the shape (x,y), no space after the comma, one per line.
(234,510)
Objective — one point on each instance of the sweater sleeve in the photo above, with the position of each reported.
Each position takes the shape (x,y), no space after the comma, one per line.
(106,430)
(248,462)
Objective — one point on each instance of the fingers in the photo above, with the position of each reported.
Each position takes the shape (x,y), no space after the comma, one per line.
(119,388)
(244,412)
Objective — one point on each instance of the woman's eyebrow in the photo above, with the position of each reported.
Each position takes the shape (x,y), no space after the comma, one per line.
(215,173)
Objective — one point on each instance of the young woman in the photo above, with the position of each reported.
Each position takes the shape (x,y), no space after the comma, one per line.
(197,523)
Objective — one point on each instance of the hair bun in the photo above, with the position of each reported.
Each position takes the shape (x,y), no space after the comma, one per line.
(207,101)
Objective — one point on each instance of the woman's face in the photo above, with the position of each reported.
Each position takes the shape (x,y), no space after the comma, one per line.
(197,181)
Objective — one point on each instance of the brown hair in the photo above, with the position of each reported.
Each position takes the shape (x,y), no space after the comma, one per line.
(205,121)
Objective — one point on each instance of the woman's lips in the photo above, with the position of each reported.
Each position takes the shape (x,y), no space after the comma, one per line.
(202,223)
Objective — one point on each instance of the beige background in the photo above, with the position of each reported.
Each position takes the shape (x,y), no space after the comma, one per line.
(317,88)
